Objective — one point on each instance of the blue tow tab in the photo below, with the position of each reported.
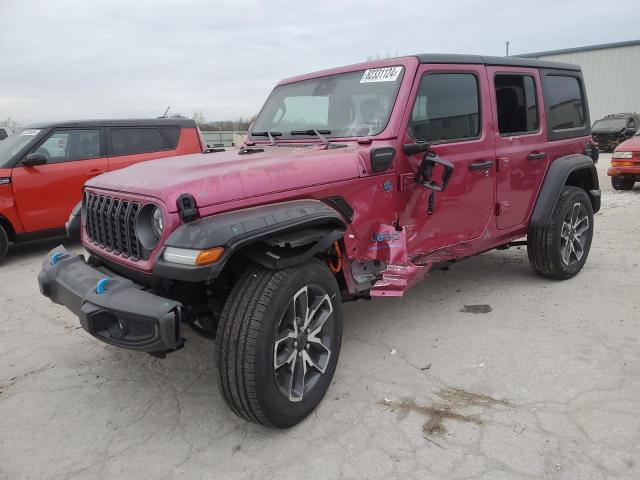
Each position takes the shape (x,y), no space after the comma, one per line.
(102,285)
(55,257)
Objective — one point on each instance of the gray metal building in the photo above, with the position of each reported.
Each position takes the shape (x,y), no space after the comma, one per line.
(611,74)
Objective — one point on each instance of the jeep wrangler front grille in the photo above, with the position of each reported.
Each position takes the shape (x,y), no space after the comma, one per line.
(111,223)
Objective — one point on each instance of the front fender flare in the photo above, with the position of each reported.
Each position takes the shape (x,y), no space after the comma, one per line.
(238,229)
(577,170)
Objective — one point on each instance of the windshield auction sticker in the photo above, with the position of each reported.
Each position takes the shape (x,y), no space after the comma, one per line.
(386,74)
(30,132)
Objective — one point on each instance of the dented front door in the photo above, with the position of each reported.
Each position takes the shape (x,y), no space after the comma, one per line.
(451,108)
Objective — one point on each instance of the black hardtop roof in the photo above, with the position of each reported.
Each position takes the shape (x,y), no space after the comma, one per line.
(127,122)
(619,115)
(495,61)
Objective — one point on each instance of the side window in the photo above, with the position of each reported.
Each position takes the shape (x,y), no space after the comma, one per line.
(516,104)
(173,135)
(129,141)
(447,107)
(565,103)
(70,145)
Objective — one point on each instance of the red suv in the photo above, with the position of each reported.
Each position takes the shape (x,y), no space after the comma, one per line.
(352,183)
(44,166)
(625,164)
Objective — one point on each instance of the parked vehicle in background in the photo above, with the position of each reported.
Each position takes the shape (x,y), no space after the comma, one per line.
(625,164)
(354,182)
(613,129)
(44,166)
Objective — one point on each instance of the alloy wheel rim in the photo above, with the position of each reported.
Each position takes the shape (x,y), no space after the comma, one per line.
(572,237)
(302,345)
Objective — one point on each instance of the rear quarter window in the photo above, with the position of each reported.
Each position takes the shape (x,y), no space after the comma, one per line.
(130,141)
(565,105)
(172,134)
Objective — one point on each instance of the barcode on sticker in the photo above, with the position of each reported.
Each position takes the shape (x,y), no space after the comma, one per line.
(385,74)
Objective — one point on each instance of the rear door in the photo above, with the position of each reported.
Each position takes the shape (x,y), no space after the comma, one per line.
(129,145)
(520,142)
(46,194)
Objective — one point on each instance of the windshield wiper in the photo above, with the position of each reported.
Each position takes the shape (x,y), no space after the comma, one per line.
(269,134)
(319,133)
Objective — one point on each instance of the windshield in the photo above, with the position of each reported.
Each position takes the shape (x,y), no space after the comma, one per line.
(351,104)
(13,144)
(612,123)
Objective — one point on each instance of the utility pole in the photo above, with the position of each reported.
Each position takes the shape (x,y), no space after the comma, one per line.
(506,44)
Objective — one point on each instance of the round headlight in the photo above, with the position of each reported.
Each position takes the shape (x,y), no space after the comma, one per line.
(157,222)
(149,226)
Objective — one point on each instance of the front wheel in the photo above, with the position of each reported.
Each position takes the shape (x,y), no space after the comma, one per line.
(278,342)
(620,183)
(560,249)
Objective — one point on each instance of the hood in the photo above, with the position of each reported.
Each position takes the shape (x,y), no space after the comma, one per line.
(224,176)
(630,145)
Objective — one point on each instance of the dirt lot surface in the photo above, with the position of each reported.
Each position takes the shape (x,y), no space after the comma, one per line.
(483,371)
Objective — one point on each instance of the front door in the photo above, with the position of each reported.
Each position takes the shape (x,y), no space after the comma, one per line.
(520,142)
(451,109)
(46,194)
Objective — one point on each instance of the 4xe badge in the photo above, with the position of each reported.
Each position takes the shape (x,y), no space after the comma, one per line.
(385,237)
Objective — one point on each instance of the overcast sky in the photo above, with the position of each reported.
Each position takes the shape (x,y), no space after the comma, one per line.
(73,59)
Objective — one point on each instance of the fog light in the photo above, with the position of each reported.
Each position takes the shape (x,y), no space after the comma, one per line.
(117,327)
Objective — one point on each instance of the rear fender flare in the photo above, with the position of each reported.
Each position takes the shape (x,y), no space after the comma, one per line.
(575,170)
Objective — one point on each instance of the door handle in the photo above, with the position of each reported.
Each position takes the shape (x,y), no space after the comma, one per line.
(536,156)
(95,172)
(481,165)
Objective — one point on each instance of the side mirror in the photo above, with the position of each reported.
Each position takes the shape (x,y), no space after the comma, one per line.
(3,134)
(413,148)
(425,172)
(34,159)
(630,132)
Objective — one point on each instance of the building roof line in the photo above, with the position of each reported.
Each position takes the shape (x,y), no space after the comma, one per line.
(602,46)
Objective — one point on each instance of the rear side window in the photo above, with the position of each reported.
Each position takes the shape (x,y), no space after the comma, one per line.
(172,134)
(516,104)
(70,145)
(129,141)
(565,103)
(447,107)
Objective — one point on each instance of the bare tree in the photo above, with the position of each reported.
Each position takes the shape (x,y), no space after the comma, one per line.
(10,124)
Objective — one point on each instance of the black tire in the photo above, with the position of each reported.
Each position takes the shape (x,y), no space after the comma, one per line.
(246,347)
(547,246)
(4,243)
(620,183)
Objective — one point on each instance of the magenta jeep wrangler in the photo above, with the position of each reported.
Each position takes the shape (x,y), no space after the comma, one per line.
(352,183)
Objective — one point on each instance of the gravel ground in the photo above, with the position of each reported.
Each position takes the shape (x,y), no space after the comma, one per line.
(483,371)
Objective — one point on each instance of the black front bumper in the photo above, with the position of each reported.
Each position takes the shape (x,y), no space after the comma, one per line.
(111,308)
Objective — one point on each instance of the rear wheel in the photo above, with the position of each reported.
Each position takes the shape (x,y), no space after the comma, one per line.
(620,183)
(560,249)
(278,343)
(4,243)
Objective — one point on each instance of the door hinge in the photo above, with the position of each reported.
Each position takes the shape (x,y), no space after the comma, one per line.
(503,163)
(406,179)
(501,208)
